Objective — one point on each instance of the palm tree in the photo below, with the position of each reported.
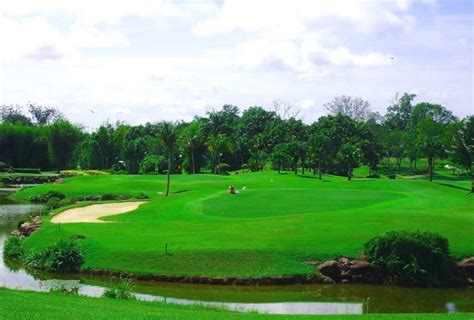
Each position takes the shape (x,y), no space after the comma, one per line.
(218,145)
(191,139)
(167,134)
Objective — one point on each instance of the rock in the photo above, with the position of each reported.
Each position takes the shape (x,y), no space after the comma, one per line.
(361,267)
(343,260)
(330,269)
(326,280)
(15,233)
(466,266)
(345,281)
(27,228)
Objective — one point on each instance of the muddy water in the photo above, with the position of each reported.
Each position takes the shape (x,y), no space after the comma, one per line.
(296,299)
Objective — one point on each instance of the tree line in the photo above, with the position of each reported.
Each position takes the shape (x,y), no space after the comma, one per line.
(227,139)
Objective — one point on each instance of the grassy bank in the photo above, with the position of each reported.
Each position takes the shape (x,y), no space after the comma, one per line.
(35,305)
(269,229)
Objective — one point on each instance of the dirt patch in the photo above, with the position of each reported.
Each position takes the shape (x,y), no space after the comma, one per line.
(94,212)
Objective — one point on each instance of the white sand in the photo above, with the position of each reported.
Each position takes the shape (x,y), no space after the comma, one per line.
(93,212)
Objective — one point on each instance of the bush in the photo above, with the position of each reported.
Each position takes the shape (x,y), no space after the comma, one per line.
(414,258)
(95,172)
(122,291)
(65,290)
(54,203)
(223,168)
(72,173)
(392,176)
(374,176)
(142,195)
(64,256)
(113,196)
(152,163)
(45,197)
(13,248)
(3,166)
(27,170)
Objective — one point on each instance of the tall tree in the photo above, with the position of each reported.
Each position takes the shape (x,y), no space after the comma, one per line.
(398,114)
(355,108)
(44,115)
(168,135)
(13,114)
(63,138)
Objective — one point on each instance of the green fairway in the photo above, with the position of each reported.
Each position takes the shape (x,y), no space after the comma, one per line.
(276,222)
(34,305)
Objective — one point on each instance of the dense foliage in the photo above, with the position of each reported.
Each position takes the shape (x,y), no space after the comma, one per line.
(227,139)
(64,256)
(122,291)
(13,248)
(419,258)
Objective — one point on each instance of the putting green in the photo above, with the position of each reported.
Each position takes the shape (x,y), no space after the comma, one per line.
(267,203)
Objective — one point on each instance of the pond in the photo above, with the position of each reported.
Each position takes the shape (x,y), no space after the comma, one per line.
(294,299)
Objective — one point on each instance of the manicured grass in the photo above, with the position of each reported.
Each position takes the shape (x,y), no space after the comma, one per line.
(269,229)
(35,305)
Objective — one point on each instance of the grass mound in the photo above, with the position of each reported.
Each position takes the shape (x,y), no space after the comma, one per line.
(267,203)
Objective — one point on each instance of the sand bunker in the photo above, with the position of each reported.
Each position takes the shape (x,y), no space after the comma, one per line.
(93,212)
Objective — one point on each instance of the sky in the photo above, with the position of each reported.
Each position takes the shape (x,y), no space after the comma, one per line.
(144,61)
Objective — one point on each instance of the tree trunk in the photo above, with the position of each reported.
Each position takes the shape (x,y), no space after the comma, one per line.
(218,169)
(302,167)
(192,159)
(319,170)
(168,173)
(349,173)
(430,165)
(296,166)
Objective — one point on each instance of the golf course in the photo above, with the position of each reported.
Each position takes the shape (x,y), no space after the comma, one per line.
(272,226)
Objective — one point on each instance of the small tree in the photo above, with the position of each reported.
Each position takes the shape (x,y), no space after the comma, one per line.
(168,135)
(319,145)
(281,157)
(350,154)
(463,147)
(430,141)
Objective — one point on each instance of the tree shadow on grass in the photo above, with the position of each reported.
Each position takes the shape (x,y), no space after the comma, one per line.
(453,186)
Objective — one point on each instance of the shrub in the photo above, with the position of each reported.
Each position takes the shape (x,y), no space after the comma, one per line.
(3,166)
(64,256)
(223,168)
(113,196)
(54,203)
(415,258)
(374,176)
(45,197)
(13,248)
(95,172)
(142,195)
(122,291)
(27,170)
(65,290)
(152,163)
(72,173)
(392,176)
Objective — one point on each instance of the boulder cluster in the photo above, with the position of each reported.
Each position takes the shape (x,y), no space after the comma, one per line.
(466,268)
(27,228)
(344,270)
